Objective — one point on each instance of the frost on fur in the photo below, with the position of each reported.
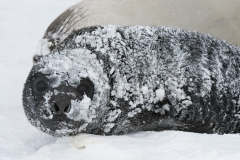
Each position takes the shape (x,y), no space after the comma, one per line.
(145,78)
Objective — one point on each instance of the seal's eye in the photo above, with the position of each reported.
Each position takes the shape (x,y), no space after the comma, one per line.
(41,86)
(84,89)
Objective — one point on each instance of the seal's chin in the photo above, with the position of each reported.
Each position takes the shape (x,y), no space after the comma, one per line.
(60,122)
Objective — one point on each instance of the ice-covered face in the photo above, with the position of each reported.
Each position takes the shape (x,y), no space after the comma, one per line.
(64,92)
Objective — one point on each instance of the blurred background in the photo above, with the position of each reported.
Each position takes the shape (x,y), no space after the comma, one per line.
(220,18)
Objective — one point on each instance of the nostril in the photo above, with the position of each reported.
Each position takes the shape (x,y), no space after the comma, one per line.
(67,109)
(56,108)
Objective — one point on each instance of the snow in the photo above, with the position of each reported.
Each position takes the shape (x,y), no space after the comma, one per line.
(160,94)
(80,108)
(22,24)
(144,89)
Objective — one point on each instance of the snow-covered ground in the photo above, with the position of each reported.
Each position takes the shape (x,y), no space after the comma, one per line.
(22,24)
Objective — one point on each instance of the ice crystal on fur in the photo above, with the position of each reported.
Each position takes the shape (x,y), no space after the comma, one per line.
(165,77)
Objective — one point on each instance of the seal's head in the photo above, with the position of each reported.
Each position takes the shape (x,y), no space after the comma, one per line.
(64,91)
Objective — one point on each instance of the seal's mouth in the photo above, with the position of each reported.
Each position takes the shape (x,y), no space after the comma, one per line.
(60,121)
(63,112)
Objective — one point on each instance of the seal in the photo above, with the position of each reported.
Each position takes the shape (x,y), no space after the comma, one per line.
(111,80)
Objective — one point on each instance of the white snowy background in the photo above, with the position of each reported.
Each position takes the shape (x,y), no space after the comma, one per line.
(22,24)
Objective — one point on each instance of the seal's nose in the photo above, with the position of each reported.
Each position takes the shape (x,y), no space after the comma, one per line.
(61,103)
(61,107)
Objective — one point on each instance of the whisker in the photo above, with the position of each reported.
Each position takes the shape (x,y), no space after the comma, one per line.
(71,16)
(78,21)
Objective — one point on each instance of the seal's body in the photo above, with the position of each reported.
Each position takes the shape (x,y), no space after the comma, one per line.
(135,78)
(111,80)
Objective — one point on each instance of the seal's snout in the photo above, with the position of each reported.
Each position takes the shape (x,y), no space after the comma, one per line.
(62,107)
(61,103)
